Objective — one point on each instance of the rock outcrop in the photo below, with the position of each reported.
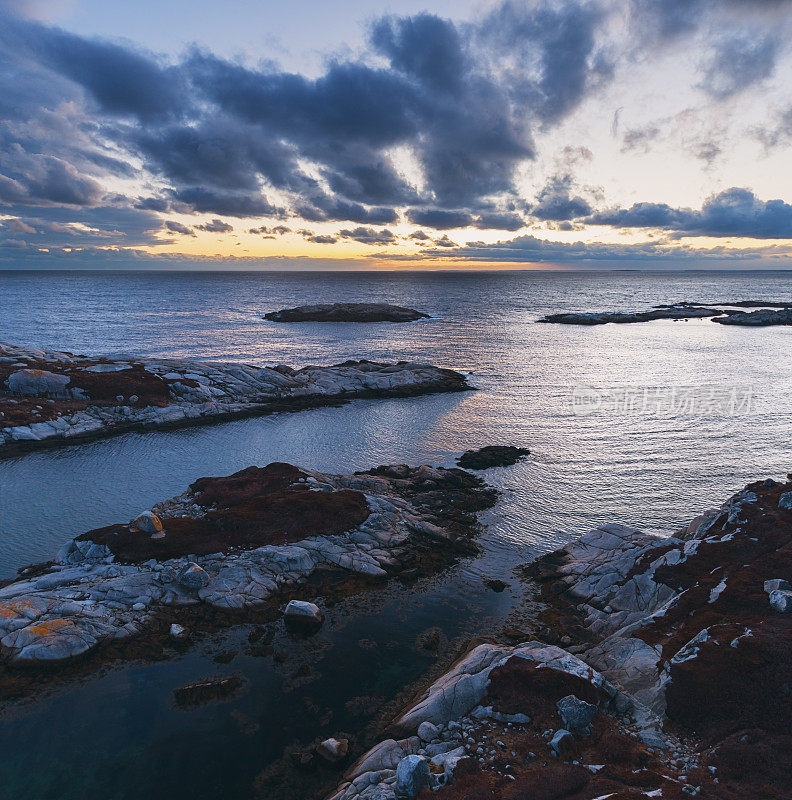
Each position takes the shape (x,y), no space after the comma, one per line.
(49,396)
(346,312)
(679,685)
(237,543)
(681,311)
(492,456)
(765,315)
(757,319)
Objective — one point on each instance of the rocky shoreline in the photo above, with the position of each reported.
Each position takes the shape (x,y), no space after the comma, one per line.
(675,682)
(767,314)
(51,397)
(234,544)
(347,312)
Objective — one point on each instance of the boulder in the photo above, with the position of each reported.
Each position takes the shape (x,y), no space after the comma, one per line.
(39,383)
(148,522)
(193,577)
(427,731)
(562,739)
(412,776)
(178,632)
(333,750)
(576,714)
(302,615)
(781,600)
(785,501)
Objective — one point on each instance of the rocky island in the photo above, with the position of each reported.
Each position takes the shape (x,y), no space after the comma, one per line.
(766,314)
(232,544)
(673,681)
(49,396)
(346,312)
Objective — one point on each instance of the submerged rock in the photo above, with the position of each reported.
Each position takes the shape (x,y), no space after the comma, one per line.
(205,691)
(346,312)
(302,615)
(492,456)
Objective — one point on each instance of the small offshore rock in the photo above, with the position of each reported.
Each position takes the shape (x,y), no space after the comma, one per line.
(303,615)
(346,312)
(412,776)
(333,750)
(492,456)
(575,713)
(193,577)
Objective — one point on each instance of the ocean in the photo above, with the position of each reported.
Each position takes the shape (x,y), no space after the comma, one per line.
(646,424)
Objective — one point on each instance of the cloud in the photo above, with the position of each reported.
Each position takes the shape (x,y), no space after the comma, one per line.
(177,227)
(321,239)
(499,220)
(739,62)
(276,230)
(778,133)
(556,202)
(734,213)
(215,226)
(599,255)
(640,139)
(369,236)
(439,219)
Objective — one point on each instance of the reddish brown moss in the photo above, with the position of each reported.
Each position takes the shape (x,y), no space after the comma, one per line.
(520,686)
(251,508)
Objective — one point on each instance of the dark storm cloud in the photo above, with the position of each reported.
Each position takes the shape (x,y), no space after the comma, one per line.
(215,226)
(739,62)
(368,236)
(556,201)
(439,219)
(734,212)
(177,227)
(501,221)
(560,41)
(275,230)
(219,135)
(233,204)
(321,238)
(330,209)
(120,79)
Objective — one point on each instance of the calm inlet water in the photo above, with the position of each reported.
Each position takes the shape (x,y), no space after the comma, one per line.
(646,424)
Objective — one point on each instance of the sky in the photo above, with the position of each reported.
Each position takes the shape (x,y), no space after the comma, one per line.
(473,134)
